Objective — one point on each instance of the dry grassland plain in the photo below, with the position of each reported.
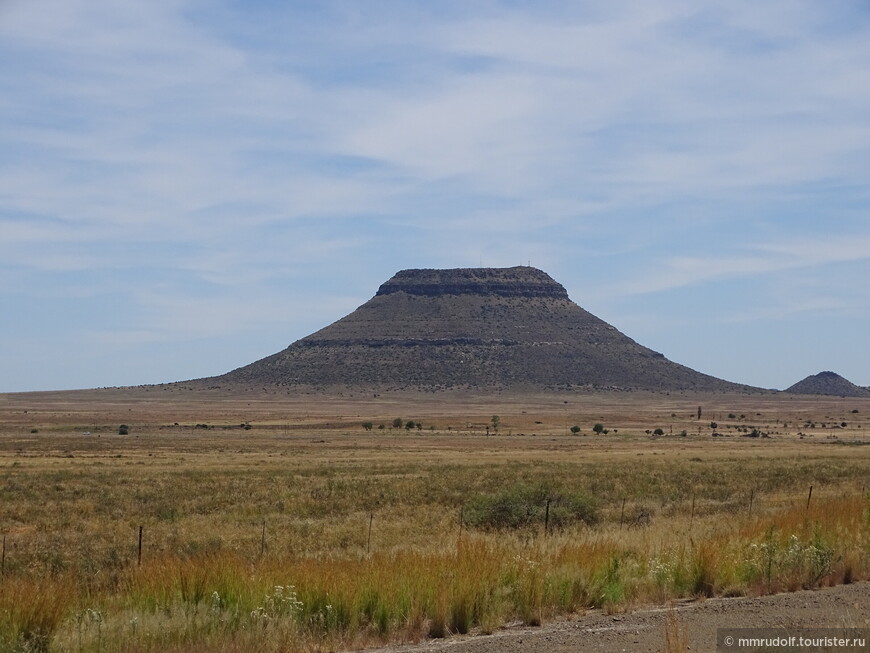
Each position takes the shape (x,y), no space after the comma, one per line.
(273,522)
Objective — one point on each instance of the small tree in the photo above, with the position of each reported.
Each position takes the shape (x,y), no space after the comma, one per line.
(410,424)
(496,420)
(599,428)
(575,429)
(123,429)
(658,432)
(397,423)
(367,426)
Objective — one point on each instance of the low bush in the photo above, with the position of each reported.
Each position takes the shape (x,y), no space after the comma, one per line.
(523,506)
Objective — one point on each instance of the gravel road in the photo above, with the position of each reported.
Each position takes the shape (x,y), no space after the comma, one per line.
(844,606)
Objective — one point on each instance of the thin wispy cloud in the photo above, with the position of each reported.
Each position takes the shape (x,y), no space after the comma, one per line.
(758,261)
(212,155)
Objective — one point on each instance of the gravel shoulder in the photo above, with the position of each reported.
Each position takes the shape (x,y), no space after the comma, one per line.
(643,630)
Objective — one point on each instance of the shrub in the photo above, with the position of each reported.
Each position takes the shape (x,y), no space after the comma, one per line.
(573,508)
(575,429)
(512,508)
(522,506)
(123,429)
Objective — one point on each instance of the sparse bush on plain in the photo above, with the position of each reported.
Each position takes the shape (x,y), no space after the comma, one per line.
(524,506)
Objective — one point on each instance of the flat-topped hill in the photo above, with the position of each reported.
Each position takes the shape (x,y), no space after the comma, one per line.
(472,327)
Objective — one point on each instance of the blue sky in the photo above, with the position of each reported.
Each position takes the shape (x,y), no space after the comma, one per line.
(188,186)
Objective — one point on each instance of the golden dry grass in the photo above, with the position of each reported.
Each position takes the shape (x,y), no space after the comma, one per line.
(679,515)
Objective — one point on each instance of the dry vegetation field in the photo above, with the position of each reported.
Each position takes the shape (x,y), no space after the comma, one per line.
(273,522)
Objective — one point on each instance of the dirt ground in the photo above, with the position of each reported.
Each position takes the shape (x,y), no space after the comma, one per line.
(547,414)
(644,629)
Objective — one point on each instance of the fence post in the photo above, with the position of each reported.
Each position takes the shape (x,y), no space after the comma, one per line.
(809,496)
(139,558)
(263,540)
(3,558)
(622,514)
(369,544)
(751,497)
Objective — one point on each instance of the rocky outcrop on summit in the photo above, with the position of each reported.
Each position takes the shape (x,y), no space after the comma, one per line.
(828,383)
(500,282)
(474,327)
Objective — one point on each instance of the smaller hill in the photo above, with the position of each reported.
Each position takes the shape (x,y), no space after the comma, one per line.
(828,383)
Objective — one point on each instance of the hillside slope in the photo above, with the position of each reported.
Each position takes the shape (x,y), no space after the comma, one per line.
(475,327)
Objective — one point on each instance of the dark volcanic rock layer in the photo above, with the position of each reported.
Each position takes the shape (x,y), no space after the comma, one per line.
(504,282)
(476,327)
(828,383)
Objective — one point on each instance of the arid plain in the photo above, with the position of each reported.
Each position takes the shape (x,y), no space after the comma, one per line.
(278,521)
